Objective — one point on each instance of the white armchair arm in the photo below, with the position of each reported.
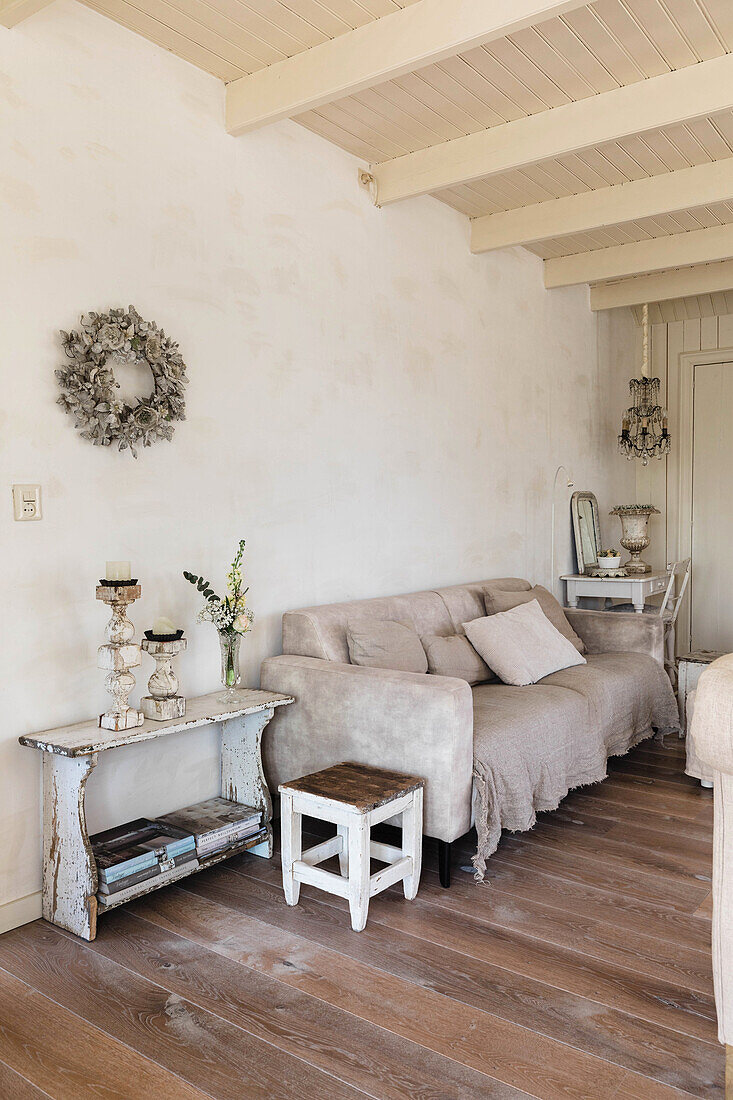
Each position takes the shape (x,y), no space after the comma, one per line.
(712,729)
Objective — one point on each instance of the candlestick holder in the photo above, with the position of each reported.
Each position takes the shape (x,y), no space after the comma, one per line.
(119,654)
(163,702)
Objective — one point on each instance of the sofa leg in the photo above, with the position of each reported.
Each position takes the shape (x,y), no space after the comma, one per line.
(444,849)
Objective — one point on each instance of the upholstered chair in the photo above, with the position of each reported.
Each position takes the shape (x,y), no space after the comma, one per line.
(712,729)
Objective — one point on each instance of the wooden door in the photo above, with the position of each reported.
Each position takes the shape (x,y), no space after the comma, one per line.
(712,508)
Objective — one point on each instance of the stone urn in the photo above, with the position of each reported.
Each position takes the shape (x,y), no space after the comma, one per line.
(635,533)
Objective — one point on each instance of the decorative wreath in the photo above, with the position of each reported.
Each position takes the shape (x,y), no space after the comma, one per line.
(89,385)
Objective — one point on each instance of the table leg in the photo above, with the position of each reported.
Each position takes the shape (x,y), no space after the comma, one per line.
(359,870)
(572,595)
(638,602)
(69,869)
(412,843)
(242,775)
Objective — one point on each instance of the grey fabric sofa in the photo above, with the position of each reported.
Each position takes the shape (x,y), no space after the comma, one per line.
(492,755)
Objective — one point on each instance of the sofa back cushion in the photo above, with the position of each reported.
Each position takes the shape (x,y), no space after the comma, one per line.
(498,600)
(455,656)
(383,643)
(321,631)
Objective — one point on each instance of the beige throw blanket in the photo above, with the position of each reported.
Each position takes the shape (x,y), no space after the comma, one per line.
(534,744)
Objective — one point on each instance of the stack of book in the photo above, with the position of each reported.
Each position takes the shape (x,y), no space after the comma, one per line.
(218,824)
(141,853)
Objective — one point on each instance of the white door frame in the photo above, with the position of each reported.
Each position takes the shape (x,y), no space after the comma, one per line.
(680,475)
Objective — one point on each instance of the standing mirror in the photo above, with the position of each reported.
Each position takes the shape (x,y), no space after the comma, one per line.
(587,530)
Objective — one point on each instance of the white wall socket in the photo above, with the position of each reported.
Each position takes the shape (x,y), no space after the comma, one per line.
(27,502)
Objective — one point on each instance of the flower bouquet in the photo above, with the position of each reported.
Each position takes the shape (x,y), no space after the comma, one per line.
(231,617)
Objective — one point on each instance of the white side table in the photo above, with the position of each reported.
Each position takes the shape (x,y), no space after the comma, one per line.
(635,589)
(70,754)
(354,797)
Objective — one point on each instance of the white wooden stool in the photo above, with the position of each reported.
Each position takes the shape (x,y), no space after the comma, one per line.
(354,797)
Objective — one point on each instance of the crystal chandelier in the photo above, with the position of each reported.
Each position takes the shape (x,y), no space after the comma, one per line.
(644,432)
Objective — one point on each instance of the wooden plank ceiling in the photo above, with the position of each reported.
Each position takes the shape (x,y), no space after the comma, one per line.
(587,51)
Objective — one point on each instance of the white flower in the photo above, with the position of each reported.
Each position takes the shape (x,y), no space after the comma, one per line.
(243,622)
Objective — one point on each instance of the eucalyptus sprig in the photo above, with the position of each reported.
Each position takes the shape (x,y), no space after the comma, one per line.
(230,613)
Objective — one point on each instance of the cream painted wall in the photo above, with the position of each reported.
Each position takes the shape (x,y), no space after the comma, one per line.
(372,407)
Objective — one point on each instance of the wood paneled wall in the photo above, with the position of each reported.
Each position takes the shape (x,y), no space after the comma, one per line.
(658,482)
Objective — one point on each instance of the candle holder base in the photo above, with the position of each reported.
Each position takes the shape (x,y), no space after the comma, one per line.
(162,710)
(163,702)
(121,719)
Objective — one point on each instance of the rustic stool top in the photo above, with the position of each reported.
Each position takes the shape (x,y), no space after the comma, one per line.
(700,657)
(356,785)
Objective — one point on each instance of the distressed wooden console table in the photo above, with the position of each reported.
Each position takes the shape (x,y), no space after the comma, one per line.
(69,755)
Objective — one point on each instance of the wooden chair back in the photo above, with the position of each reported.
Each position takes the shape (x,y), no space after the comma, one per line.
(674,594)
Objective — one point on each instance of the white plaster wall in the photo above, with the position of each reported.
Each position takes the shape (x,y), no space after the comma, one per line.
(373,408)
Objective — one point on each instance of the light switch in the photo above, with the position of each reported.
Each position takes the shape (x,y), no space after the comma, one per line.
(27,502)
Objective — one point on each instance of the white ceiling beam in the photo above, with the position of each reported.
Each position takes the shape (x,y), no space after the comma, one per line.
(702,279)
(699,246)
(399,43)
(606,206)
(667,100)
(13,12)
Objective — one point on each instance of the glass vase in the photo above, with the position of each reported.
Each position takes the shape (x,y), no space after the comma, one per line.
(231,677)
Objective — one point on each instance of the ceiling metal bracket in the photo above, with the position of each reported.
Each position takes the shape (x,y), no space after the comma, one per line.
(369,183)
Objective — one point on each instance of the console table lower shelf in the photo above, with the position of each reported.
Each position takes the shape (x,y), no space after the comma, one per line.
(70,753)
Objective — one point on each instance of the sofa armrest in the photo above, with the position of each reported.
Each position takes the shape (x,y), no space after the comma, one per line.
(613,631)
(405,721)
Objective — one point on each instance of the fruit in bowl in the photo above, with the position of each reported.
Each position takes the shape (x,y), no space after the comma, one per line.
(609,559)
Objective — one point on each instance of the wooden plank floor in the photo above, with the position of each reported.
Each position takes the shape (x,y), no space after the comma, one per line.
(581,969)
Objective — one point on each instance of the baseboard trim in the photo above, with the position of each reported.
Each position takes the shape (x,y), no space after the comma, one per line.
(20,911)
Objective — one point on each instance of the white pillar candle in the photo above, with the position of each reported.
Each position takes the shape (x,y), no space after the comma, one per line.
(117,571)
(164,626)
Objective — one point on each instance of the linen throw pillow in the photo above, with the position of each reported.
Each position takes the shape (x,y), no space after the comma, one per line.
(497,600)
(521,645)
(384,643)
(455,656)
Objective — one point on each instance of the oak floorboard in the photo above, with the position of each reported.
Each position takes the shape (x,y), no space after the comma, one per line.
(635,858)
(514,967)
(697,852)
(635,915)
(629,791)
(207,1052)
(579,969)
(583,800)
(470,1024)
(671,745)
(13,1085)
(65,1057)
(521,953)
(645,769)
(679,897)
(672,962)
(255,999)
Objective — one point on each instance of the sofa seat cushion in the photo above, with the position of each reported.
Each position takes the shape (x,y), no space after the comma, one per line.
(625,691)
(532,745)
